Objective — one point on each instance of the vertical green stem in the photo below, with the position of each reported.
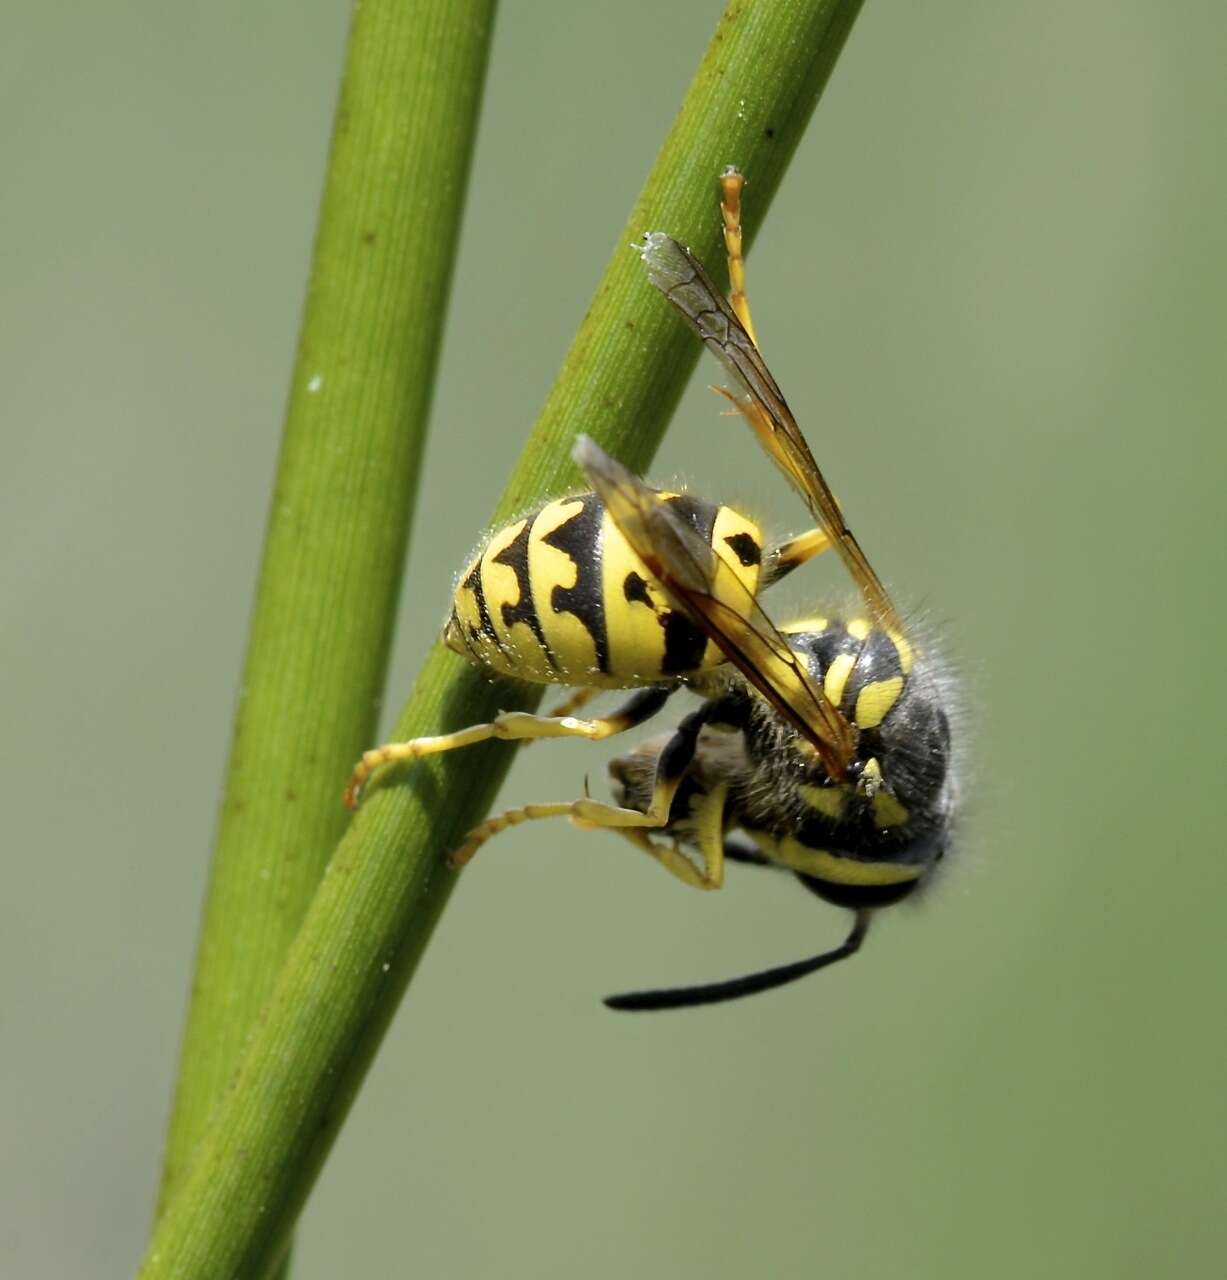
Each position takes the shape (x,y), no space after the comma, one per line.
(388,882)
(344,496)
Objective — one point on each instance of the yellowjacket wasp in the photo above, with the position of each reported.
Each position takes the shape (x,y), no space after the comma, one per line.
(826,742)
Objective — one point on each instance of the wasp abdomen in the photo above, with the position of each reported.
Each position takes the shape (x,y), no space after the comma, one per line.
(559,597)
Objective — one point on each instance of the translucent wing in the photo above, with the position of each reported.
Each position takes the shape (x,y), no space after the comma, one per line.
(712,596)
(679,275)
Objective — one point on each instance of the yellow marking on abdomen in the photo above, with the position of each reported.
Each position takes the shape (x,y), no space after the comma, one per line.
(569,640)
(636,634)
(830,801)
(525,657)
(636,637)
(468,615)
(733,525)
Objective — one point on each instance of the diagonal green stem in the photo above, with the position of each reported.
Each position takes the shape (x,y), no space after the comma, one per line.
(345,488)
(388,882)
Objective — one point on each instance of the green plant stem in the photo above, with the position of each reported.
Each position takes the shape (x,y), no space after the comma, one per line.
(344,496)
(388,881)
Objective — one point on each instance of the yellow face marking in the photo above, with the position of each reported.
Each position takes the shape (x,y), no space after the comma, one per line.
(887,811)
(858,629)
(830,801)
(875,700)
(837,676)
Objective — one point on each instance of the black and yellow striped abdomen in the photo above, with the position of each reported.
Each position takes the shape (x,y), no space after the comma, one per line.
(558,597)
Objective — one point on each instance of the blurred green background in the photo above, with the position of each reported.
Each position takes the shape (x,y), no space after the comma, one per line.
(994,288)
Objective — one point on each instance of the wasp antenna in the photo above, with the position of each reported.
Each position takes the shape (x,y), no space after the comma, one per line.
(734,988)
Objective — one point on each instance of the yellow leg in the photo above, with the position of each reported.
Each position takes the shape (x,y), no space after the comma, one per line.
(708,818)
(671,768)
(671,857)
(576,702)
(585,813)
(509,726)
(569,706)
(731,183)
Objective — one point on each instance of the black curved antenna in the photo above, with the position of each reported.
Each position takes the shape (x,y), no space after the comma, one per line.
(748,985)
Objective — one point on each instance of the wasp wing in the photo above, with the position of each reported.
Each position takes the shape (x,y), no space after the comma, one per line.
(679,275)
(708,592)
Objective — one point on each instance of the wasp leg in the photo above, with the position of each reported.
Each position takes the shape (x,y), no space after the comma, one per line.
(708,816)
(510,726)
(731,183)
(576,702)
(793,553)
(671,768)
(569,706)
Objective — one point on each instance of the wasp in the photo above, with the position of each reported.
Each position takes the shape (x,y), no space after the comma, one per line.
(825,743)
